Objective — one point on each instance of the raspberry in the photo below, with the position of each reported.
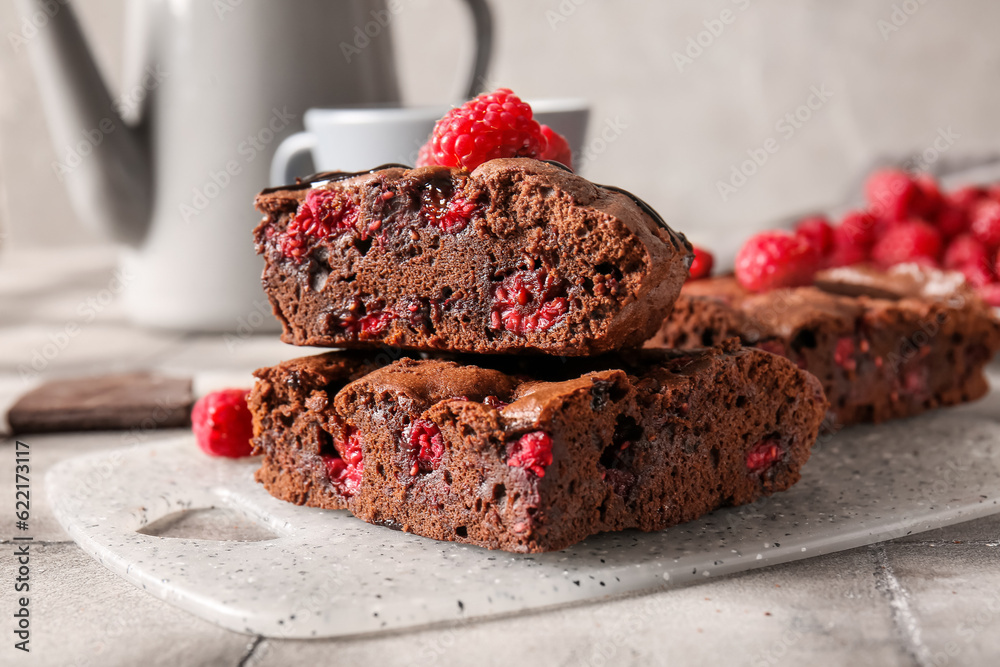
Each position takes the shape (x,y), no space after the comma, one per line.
(843,354)
(322,214)
(951,221)
(222,423)
(763,455)
(528,301)
(775,259)
(557,148)
(985,222)
(910,241)
(375,323)
(965,198)
(990,294)
(928,201)
(890,193)
(532,451)
(495,402)
(701,267)
(493,125)
(845,254)
(977,274)
(817,232)
(345,472)
(426,446)
(857,228)
(362,320)
(451,214)
(964,249)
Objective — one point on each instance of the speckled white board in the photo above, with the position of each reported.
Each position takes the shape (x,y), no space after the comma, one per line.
(327,574)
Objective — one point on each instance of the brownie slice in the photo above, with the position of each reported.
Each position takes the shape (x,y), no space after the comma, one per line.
(516,255)
(486,455)
(884,344)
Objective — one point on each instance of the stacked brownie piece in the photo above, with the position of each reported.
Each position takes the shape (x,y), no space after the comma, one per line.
(488,389)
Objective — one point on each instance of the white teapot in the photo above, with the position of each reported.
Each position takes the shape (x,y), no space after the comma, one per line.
(170,167)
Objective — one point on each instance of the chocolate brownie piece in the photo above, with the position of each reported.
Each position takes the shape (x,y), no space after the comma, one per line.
(516,255)
(884,344)
(129,401)
(491,457)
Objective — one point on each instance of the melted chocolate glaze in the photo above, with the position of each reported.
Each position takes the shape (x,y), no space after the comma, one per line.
(330,176)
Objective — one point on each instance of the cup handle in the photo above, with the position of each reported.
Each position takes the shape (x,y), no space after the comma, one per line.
(482,17)
(290,159)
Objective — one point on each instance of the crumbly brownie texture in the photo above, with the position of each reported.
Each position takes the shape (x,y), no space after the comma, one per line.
(516,255)
(472,454)
(884,344)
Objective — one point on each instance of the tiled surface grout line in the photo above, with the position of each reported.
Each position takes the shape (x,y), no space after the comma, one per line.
(899,603)
(248,657)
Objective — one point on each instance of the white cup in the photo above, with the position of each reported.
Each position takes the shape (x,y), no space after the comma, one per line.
(359,139)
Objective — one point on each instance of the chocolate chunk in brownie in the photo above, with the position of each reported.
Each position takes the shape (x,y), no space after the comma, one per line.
(885,344)
(488,455)
(516,255)
(111,402)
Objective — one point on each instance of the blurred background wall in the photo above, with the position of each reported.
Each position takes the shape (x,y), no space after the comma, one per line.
(683,92)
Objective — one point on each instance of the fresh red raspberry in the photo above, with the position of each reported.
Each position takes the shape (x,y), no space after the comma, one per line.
(424,156)
(426,446)
(964,249)
(890,194)
(323,213)
(850,241)
(817,232)
(845,255)
(701,267)
(985,222)
(775,259)
(928,200)
(990,294)
(345,471)
(952,221)
(532,451)
(222,423)
(763,455)
(977,274)
(528,301)
(965,198)
(857,228)
(493,125)
(910,241)
(556,148)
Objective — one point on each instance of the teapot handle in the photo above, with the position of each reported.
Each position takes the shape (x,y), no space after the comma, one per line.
(482,18)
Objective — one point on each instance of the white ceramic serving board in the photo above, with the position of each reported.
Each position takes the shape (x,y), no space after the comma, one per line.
(327,574)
